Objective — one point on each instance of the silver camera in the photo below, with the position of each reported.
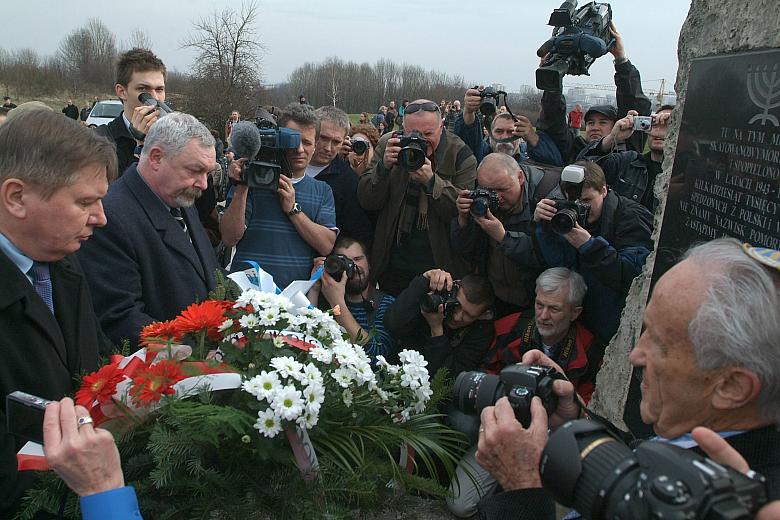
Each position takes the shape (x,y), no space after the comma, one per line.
(643,123)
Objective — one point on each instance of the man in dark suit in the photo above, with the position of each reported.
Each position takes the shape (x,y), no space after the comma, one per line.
(53,174)
(153,258)
(138,70)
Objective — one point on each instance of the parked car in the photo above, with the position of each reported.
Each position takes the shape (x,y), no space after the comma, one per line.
(103,112)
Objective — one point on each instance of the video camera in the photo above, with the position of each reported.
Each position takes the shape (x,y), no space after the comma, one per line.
(473,391)
(589,469)
(414,148)
(431,302)
(570,211)
(337,265)
(484,199)
(579,37)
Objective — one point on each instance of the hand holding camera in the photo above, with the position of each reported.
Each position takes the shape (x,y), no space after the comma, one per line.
(423,174)
(568,408)
(393,148)
(471,102)
(439,280)
(622,130)
(525,129)
(286,192)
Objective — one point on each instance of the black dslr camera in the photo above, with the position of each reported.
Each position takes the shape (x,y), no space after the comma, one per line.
(484,199)
(474,391)
(359,147)
(587,468)
(431,302)
(337,265)
(578,38)
(414,148)
(570,211)
(489,95)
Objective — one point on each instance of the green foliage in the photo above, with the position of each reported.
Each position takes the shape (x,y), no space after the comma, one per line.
(226,289)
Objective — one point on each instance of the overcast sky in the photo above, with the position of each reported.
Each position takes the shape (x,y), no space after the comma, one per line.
(483,41)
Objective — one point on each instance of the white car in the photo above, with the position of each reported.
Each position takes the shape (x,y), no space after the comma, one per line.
(103,112)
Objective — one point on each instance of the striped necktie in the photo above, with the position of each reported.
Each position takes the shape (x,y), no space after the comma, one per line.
(179,216)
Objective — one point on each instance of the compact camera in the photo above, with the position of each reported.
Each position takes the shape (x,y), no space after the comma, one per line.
(414,148)
(24,415)
(484,199)
(337,265)
(474,391)
(643,123)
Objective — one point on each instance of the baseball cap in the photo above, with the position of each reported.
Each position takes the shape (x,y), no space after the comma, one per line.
(606,110)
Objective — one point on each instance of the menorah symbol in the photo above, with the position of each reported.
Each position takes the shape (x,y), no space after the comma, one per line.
(763,91)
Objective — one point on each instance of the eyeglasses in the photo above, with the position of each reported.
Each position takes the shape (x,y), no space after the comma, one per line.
(428,106)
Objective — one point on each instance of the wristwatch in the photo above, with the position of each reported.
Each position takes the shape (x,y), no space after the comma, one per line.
(295,210)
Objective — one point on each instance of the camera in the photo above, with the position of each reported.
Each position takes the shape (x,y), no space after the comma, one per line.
(24,415)
(162,108)
(359,147)
(337,265)
(643,123)
(484,199)
(588,468)
(579,37)
(431,302)
(270,162)
(568,213)
(414,148)
(489,95)
(474,391)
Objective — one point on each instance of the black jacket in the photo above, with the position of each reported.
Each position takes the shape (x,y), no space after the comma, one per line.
(627,172)
(759,447)
(457,350)
(351,220)
(629,96)
(41,353)
(125,144)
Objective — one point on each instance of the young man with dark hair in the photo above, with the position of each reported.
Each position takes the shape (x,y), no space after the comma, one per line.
(457,333)
(609,250)
(138,70)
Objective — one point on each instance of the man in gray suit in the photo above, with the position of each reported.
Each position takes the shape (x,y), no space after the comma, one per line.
(153,258)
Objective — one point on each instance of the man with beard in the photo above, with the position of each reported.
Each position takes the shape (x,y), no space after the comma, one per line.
(499,243)
(516,136)
(357,305)
(153,258)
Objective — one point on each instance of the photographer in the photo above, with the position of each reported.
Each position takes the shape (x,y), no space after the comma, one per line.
(628,83)
(609,249)
(357,305)
(630,173)
(708,329)
(456,334)
(283,230)
(412,184)
(499,241)
(527,143)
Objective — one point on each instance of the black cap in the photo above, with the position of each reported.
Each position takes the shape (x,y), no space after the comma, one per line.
(605,110)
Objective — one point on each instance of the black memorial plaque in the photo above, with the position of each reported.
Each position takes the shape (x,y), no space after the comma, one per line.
(726,175)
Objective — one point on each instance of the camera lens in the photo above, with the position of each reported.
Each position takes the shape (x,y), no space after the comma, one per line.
(335,267)
(563,221)
(359,147)
(431,302)
(480,206)
(473,391)
(411,157)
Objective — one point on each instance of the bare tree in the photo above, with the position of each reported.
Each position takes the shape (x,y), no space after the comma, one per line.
(89,53)
(138,39)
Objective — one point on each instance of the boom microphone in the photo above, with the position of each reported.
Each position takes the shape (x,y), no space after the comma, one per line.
(245,140)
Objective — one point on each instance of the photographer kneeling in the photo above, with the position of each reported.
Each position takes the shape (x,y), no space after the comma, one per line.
(449,322)
(602,235)
(710,329)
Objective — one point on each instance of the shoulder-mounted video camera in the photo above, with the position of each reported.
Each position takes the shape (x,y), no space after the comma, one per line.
(271,142)
(578,38)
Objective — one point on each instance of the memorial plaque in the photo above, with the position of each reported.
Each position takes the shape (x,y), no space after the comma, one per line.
(726,175)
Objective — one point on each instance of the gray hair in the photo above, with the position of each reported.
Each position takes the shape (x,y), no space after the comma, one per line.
(174,131)
(552,280)
(504,161)
(335,115)
(302,115)
(737,322)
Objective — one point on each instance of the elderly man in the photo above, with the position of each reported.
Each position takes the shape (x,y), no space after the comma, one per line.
(710,330)
(153,259)
(499,243)
(53,174)
(416,206)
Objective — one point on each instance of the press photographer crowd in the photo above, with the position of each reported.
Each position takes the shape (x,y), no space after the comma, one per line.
(501,249)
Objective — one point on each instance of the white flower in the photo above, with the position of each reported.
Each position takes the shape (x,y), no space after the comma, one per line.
(342,376)
(308,420)
(381,361)
(322,354)
(413,358)
(269,316)
(313,396)
(410,380)
(252,386)
(268,423)
(268,385)
(311,375)
(225,325)
(278,342)
(382,395)
(362,372)
(288,403)
(346,396)
(286,366)
(249,321)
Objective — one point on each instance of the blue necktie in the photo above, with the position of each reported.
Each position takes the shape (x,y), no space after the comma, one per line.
(42,283)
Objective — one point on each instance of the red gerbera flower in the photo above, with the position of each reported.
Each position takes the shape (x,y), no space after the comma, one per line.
(159,331)
(99,386)
(151,383)
(208,316)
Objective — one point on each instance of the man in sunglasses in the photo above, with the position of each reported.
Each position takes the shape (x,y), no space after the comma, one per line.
(415,206)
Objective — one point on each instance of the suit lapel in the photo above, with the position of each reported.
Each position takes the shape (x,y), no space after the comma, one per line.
(169,230)
(17,288)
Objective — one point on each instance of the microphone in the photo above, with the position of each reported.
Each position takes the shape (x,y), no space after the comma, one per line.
(245,140)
